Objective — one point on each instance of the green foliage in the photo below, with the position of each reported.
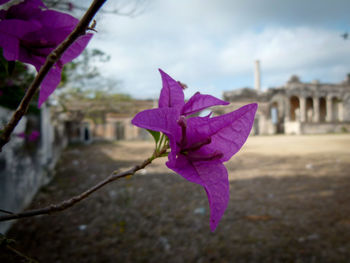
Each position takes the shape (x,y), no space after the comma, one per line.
(84,89)
(15,78)
(155,135)
(83,69)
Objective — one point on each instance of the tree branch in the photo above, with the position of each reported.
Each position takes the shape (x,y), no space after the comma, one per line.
(50,61)
(72,201)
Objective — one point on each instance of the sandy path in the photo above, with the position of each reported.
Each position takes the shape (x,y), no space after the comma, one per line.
(289,203)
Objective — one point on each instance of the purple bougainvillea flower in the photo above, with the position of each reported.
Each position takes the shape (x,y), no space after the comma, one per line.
(199,145)
(21,135)
(29,32)
(33,136)
(3,1)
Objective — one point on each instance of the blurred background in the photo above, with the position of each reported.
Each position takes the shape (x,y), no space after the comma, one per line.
(289,183)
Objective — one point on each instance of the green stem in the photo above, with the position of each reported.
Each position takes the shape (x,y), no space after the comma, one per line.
(160,142)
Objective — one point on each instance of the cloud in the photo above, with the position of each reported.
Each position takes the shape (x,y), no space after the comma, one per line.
(212,45)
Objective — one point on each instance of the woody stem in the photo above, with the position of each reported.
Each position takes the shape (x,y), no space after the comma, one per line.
(115,175)
(44,70)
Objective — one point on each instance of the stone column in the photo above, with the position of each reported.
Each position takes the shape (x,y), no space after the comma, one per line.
(287,110)
(257,75)
(329,116)
(316,102)
(47,134)
(302,102)
(341,111)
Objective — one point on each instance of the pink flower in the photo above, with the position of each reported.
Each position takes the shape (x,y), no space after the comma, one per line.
(29,31)
(199,145)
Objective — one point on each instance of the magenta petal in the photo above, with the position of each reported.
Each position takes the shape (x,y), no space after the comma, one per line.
(49,84)
(200,102)
(58,20)
(21,135)
(212,175)
(27,10)
(185,168)
(171,94)
(76,48)
(217,186)
(34,136)
(17,28)
(10,47)
(162,120)
(3,1)
(10,33)
(228,132)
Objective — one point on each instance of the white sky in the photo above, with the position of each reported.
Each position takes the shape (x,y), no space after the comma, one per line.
(211,45)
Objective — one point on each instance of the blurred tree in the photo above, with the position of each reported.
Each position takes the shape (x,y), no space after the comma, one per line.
(84,93)
(15,78)
(130,8)
(83,69)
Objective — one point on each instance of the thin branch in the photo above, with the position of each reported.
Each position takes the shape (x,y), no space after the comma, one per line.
(133,11)
(50,61)
(24,257)
(6,245)
(72,201)
(6,212)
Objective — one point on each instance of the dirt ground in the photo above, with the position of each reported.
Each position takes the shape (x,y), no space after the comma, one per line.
(290,202)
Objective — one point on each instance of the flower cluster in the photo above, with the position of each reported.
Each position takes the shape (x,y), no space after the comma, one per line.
(29,32)
(199,145)
(32,137)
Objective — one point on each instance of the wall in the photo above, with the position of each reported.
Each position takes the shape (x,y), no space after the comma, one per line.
(25,166)
(321,128)
(292,127)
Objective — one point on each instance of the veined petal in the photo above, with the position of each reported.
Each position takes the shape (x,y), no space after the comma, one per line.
(49,84)
(185,168)
(200,102)
(212,175)
(228,132)
(171,95)
(76,48)
(163,120)
(217,186)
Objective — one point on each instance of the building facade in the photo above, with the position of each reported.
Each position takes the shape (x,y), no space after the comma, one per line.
(296,107)
(86,122)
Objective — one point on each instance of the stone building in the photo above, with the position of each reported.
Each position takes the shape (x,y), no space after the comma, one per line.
(296,107)
(88,121)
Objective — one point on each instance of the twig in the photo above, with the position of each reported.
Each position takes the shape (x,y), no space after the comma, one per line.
(6,212)
(5,245)
(72,201)
(50,61)
(24,257)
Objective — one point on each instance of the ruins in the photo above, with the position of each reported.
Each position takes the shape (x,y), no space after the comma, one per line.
(296,107)
(88,121)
